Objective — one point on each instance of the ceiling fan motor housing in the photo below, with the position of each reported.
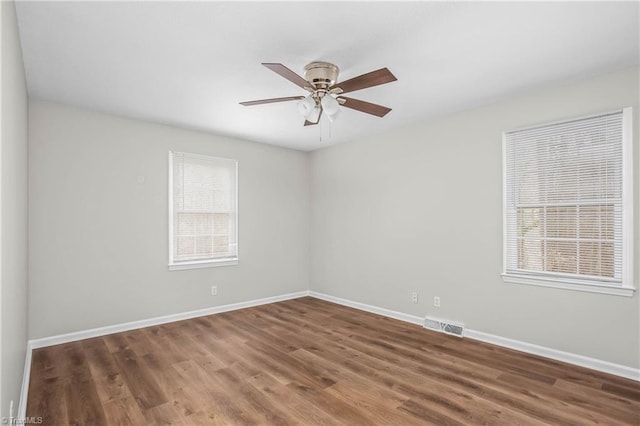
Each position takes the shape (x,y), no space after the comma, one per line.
(321,75)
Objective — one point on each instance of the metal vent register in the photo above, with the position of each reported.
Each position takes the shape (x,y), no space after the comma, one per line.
(443,326)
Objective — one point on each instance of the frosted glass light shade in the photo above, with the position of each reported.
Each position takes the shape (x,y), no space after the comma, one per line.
(314,115)
(330,105)
(306,106)
(332,117)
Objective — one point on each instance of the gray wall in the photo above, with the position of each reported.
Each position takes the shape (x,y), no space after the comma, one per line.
(416,209)
(98,238)
(420,209)
(13,212)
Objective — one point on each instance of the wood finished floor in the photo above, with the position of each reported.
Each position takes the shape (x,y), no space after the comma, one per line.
(308,362)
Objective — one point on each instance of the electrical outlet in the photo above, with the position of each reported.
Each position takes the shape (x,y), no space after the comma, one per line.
(436,301)
(414,297)
(214,290)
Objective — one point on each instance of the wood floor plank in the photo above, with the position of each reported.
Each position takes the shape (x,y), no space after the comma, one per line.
(429,415)
(254,399)
(124,412)
(164,414)
(280,396)
(116,342)
(335,407)
(50,401)
(140,342)
(141,382)
(596,404)
(83,404)
(226,408)
(310,362)
(378,411)
(188,402)
(627,391)
(384,396)
(109,384)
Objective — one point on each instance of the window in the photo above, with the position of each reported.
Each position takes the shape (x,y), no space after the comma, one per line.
(203,213)
(568,204)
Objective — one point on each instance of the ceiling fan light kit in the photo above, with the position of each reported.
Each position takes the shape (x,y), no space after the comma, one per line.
(325,94)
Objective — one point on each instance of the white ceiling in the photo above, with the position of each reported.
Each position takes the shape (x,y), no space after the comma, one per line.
(189,63)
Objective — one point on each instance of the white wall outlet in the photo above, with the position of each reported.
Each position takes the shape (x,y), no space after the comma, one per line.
(414,297)
(214,290)
(436,301)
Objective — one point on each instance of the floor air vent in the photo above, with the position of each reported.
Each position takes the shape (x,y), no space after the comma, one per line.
(444,326)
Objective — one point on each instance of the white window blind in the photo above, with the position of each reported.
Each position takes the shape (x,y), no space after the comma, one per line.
(567,218)
(203,206)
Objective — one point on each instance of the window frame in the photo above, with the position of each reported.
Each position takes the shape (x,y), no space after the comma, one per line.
(627,287)
(200,263)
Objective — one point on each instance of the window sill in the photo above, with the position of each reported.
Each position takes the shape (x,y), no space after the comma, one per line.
(569,285)
(197,264)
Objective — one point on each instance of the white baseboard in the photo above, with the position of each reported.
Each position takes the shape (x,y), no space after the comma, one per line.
(118,328)
(369,308)
(570,358)
(103,331)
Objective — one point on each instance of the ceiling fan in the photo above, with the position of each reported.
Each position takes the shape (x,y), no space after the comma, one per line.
(325,95)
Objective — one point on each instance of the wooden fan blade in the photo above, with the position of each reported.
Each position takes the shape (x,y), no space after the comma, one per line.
(288,74)
(362,106)
(272,100)
(370,79)
(311,123)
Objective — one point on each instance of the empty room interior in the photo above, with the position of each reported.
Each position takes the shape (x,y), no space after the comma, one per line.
(342,213)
